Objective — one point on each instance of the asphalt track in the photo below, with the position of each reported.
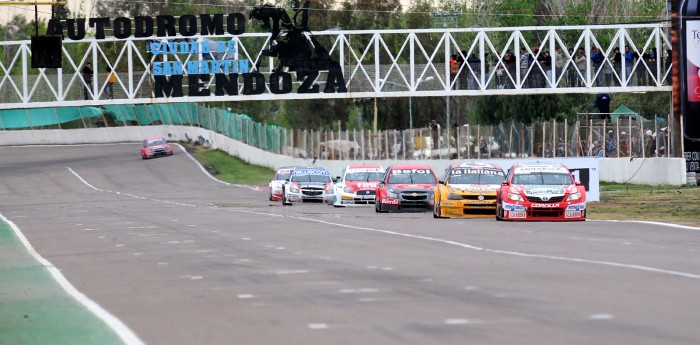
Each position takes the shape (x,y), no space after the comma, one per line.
(181,258)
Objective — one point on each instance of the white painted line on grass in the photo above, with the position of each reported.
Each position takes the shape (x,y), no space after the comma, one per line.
(122,331)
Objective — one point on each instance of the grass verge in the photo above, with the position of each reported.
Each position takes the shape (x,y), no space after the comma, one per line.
(227,168)
(670,204)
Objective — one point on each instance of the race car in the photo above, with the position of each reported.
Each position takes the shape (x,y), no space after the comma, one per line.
(306,184)
(357,186)
(541,192)
(406,188)
(468,190)
(156,146)
(275,185)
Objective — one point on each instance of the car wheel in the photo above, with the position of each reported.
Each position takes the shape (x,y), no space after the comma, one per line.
(284,196)
(436,211)
(271,199)
(378,207)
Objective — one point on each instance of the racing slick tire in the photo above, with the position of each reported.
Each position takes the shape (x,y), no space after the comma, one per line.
(436,211)
(378,207)
(499,212)
(284,197)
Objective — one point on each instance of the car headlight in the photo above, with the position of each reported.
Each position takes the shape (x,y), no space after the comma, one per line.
(293,189)
(453,196)
(574,197)
(515,196)
(150,150)
(392,193)
(348,190)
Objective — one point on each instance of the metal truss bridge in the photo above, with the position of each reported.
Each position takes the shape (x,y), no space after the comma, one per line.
(374,64)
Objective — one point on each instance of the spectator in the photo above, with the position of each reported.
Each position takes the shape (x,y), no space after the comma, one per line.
(474,71)
(509,61)
(547,66)
(435,133)
(87,78)
(464,70)
(602,103)
(641,70)
(617,65)
(500,74)
(524,64)
(571,69)
(597,61)
(651,62)
(610,145)
(629,63)
(559,63)
(581,65)
(454,69)
(111,79)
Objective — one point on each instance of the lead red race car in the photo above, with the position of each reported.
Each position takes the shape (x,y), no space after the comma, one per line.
(156,146)
(541,192)
(406,188)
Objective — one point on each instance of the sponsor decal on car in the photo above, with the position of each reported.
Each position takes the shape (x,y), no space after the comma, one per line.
(447,203)
(411,171)
(572,214)
(517,214)
(454,211)
(512,207)
(545,205)
(389,201)
(303,172)
(576,207)
(544,191)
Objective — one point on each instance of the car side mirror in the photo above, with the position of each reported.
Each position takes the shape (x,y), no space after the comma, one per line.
(505,183)
(441,182)
(381,183)
(580,184)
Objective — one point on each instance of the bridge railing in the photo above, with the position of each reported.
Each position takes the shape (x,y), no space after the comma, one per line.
(381,63)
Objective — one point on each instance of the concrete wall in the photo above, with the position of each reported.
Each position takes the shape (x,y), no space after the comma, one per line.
(651,171)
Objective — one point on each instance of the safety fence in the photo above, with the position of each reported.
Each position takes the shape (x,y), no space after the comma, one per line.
(624,136)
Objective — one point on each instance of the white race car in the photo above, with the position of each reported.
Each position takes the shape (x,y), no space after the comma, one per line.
(357,186)
(275,185)
(306,184)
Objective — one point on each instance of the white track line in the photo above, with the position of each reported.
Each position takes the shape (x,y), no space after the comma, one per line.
(126,335)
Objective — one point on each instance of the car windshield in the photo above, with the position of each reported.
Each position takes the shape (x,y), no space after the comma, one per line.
(156,142)
(363,176)
(542,178)
(479,178)
(283,175)
(420,177)
(311,178)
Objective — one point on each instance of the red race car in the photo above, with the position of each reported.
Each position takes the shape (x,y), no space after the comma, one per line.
(540,192)
(156,146)
(406,188)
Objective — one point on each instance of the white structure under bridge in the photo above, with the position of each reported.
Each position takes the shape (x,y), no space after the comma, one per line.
(384,63)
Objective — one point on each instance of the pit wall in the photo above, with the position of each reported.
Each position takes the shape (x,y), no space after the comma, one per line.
(649,171)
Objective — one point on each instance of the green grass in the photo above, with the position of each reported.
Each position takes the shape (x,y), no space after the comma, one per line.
(230,169)
(671,204)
